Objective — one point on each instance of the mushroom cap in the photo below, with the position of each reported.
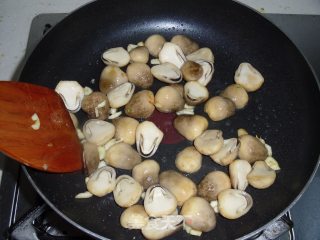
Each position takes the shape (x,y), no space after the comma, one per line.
(190,126)
(140,74)
(146,173)
(209,142)
(191,71)
(141,105)
(102,181)
(252,149)
(219,108)
(261,175)
(189,160)
(237,94)
(126,129)
(154,43)
(98,131)
(139,54)
(134,217)
(248,77)
(186,44)
(110,78)
(168,99)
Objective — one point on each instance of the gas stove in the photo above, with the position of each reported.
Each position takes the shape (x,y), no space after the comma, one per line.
(24,215)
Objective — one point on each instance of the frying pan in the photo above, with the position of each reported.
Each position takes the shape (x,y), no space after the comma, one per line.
(285,111)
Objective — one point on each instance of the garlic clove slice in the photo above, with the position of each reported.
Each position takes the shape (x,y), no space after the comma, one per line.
(208,70)
(167,72)
(121,95)
(148,138)
(248,77)
(98,131)
(116,57)
(71,93)
(172,53)
(195,93)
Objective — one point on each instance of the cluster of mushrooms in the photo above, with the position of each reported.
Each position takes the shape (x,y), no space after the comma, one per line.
(160,203)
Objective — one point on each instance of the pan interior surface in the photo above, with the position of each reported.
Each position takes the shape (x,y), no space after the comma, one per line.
(284,112)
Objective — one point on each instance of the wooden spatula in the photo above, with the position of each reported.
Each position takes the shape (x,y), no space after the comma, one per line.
(53,145)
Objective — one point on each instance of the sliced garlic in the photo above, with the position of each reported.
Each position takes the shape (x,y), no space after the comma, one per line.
(36,120)
(84,195)
(87,90)
(155,61)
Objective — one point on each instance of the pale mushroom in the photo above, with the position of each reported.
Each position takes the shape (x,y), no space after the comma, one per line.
(172,53)
(238,171)
(120,95)
(127,191)
(110,78)
(168,99)
(97,131)
(102,181)
(167,72)
(212,184)
(154,43)
(237,94)
(233,203)
(261,175)
(198,214)
(122,155)
(219,108)
(191,71)
(116,57)
(134,217)
(208,70)
(186,44)
(139,54)
(209,142)
(126,129)
(96,105)
(146,173)
(248,77)
(190,126)
(90,157)
(159,202)
(148,138)
(71,93)
(189,160)
(140,74)
(227,153)
(195,93)
(141,104)
(204,54)
(252,149)
(180,186)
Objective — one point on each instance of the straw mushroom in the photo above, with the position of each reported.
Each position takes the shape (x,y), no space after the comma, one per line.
(209,142)
(97,131)
(154,43)
(168,99)
(190,126)
(140,74)
(233,203)
(127,191)
(110,78)
(219,108)
(90,157)
(212,184)
(189,160)
(122,155)
(252,149)
(195,93)
(96,105)
(126,129)
(172,53)
(237,94)
(208,70)
(238,171)
(134,217)
(198,214)
(227,153)
(191,71)
(167,72)
(186,44)
(204,54)
(146,173)
(141,105)
(261,175)
(120,95)
(139,54)
(116,57)
(248,77)
(102,181)
(180,186)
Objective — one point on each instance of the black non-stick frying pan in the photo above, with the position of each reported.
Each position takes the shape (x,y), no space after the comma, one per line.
(285,111)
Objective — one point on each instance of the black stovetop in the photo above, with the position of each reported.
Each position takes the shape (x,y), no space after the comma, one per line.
(17,197)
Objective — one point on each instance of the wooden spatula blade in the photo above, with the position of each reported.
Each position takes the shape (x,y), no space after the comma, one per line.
(54,147)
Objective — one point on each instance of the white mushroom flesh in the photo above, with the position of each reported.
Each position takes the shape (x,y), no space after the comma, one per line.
(238,171)
(204,54)
(209,142)
(195,93)
(116,57)
(98,131)
(102,181)
(208,70)
(248,77)
(121,95)
(227,153)
(167,72)
(172,53)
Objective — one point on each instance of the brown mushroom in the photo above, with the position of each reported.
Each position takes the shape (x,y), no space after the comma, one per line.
(154,43)
(190,126)
(141,105)
(126,129)
(146,173)
(237,94)
(186,44)
(110,78)
(168,99)
(140,74)
(139,54)
(252,149)
(219,108)
(191,71)
(96,105)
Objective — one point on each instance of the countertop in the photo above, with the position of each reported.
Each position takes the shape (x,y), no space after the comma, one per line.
(16,17)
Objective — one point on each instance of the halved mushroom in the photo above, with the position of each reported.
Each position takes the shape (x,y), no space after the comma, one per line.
(102,181)
(116,57)
(208,70)
(189,160)
(168,99)
(127,191)
(121,95)
(96,105)
(191,71)
(237,94)
(110,78)
(126,129)
(233,203)
(190,126)
(248,77)
(139,54)
(172,53)
(209,142)
(148,138)
(97,131)
(198,214)
(219,108)
(154,43)
(180,186)
(122,155)
(158,228)
(195,93)
(146,173)
(252,149)
(159,202)
(261,175)
(201,54)
(71,93)
(90,157)
(186,44)
(140,74)
(238,171)
(141,105)
(227,153)
(167,72)
(134,217)
(212,184)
